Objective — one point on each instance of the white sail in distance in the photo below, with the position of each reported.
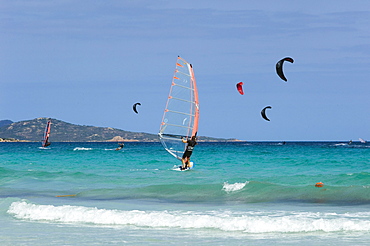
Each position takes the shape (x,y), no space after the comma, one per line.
(181,114)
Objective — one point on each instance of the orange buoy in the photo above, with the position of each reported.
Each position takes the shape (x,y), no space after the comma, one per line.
(319,184)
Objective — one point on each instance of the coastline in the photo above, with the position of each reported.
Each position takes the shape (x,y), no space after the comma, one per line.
(9,140)
(12,140)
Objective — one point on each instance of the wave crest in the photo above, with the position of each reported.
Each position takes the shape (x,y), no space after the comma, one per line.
(233,187)
(81,148)
(247,222)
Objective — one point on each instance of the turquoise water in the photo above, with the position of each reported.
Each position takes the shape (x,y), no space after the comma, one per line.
(259,193)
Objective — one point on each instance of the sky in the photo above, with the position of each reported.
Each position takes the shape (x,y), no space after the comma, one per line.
(87,63)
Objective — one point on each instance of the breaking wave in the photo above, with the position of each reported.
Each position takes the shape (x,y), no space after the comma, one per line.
(246,222)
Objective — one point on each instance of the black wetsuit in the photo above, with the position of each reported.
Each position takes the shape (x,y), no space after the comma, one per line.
(189,148)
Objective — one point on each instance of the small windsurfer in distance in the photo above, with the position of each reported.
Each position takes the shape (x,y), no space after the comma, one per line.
(350,142)
(189,150)
(45,141)
(120,146)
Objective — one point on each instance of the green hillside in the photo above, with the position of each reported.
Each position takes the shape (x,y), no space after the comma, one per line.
(33,130)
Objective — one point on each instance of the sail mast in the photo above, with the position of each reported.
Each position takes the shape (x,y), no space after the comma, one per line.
(196,102)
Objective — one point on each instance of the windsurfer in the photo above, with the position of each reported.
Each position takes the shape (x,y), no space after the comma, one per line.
(120,146)
(45,141)
(189,150)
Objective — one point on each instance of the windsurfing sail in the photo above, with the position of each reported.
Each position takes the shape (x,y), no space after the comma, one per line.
(181,114)
(45,141)
(361,140)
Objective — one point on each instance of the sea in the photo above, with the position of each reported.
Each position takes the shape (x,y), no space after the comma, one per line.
(238,193)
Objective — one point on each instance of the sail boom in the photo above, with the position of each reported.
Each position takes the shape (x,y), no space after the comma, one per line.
(172,136)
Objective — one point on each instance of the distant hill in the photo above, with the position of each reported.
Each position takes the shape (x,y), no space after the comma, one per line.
(5,122)
(33,130)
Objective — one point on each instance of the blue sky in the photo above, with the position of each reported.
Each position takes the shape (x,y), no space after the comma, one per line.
(88,62)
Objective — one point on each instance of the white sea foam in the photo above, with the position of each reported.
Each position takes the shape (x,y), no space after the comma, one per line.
(176,168)
(247,222)
(341,144)
(233,187)
(44,148)
(81,148)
